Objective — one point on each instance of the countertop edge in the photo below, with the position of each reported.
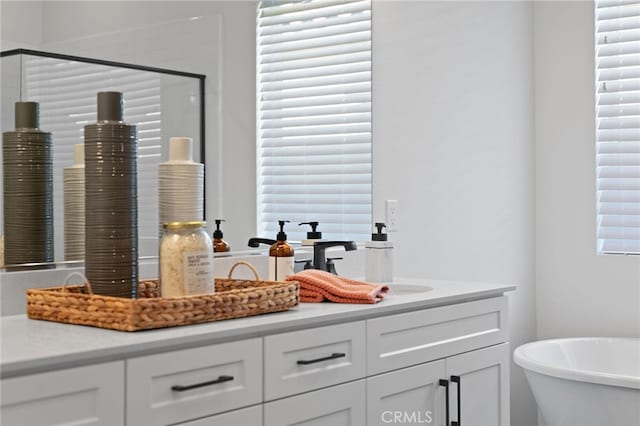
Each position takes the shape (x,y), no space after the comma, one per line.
(250,327)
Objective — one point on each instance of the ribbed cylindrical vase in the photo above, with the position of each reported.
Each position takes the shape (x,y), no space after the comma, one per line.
(27,166)
(111,200)
(73,184)
(180,185)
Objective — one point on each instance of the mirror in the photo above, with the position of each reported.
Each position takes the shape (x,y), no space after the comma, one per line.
(161,103)
(213,38)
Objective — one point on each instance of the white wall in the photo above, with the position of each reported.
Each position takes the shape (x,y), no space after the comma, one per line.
(453,142)
(579,293)
(20,27)
(21,24)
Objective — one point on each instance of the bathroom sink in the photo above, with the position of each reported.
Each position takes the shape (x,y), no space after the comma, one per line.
(402,289)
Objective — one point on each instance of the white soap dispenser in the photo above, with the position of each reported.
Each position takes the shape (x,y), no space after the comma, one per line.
(379,257)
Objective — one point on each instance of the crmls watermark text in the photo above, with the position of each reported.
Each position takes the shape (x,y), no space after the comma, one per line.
(409,417)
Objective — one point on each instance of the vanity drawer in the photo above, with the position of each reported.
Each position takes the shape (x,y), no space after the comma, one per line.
(342,405)
(89,395)
(412,338)
(310,359)
(187,384)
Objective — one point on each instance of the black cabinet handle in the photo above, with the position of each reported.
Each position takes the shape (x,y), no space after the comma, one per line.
(220,379)
(326,358)
(456,379)
(445,383)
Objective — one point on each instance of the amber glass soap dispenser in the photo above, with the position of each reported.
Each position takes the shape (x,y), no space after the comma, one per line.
(219,245)
(280,256)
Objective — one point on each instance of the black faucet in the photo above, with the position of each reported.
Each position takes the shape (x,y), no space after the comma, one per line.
(319,261)
(255,242)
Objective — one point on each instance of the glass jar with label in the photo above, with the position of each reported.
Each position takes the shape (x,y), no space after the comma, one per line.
(186,260)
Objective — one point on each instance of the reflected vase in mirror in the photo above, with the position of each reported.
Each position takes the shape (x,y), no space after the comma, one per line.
(111,201)
(73,193)
(27,166)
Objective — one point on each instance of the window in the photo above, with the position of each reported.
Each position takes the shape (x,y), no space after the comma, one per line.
(618,125)
(314,117)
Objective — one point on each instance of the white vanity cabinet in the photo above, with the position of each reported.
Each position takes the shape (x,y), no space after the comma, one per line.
(417,395)
(414,359)
(90,395)
(444,343)
(319,364)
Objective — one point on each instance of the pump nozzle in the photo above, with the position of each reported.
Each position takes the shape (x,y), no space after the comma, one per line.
(314,225)
(313,234)
(218,233)
(281,235)
(379,236)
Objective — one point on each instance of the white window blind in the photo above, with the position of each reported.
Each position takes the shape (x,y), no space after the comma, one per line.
(618,125)
(66,91)
(314,117)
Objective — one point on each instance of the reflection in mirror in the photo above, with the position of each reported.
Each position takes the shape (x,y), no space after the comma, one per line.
(161,103)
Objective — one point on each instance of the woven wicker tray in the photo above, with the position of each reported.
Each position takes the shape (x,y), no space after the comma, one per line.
(234,298)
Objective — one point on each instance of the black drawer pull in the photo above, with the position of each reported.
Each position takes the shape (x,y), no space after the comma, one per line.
(445,383)
(326,358)
(456,379)
(220,379)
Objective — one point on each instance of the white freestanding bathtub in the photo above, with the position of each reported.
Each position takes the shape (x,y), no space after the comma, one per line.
(584,381)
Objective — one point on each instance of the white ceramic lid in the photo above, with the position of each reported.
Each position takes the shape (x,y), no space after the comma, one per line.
(180,150)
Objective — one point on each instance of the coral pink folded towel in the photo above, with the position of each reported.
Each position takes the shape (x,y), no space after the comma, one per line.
(319,286)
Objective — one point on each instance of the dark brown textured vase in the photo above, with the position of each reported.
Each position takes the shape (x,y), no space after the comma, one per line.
(27,165)
(111,200)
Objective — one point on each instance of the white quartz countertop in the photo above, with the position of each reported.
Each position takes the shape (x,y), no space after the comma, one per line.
(31,346)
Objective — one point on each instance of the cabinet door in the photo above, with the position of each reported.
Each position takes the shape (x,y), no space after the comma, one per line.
(411,396)
(483,388)
(251,416)
(342,405)
(91,395)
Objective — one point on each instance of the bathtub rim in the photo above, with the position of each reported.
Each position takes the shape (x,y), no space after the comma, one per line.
(586,376)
